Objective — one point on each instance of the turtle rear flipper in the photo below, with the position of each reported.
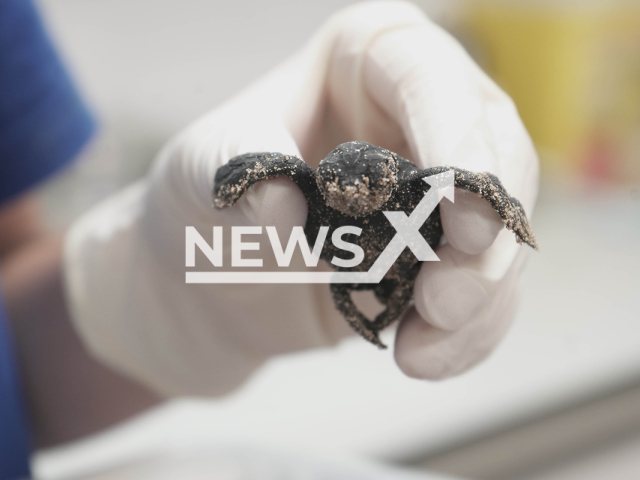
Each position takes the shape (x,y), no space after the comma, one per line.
(234,178)
(354,317)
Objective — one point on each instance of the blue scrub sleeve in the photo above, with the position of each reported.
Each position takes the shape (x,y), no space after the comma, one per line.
(14,436)
(43,121)
(43,125)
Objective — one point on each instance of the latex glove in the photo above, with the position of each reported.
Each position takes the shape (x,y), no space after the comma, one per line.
(378,72)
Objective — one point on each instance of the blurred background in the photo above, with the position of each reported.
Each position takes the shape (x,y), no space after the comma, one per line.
(560,399)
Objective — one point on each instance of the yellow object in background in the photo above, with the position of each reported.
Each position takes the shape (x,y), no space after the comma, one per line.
(573,69)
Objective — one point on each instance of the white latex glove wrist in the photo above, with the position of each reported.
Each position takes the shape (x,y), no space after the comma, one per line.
(378,72)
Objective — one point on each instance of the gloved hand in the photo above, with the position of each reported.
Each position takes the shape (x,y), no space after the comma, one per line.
(377,72)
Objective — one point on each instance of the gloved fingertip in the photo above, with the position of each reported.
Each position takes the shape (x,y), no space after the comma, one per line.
(470,225)
(277,202)
(415,340)
(447,296)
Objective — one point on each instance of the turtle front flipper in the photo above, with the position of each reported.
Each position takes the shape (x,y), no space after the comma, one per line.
(234,178)
(489,187)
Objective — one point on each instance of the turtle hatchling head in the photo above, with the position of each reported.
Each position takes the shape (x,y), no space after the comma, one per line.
(357,178)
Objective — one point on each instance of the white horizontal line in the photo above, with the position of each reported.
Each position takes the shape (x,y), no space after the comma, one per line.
(280,277)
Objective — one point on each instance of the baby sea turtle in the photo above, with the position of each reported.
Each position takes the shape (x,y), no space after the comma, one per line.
(354,185)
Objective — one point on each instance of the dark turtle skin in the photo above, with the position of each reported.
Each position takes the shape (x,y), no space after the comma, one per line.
(353,185)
